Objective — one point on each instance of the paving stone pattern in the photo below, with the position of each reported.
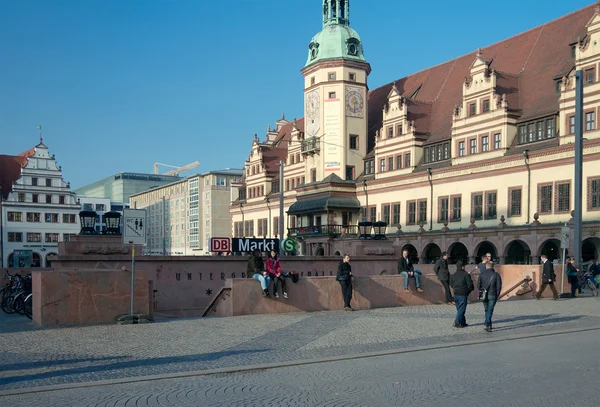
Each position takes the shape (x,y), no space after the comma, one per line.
(531,372)
(31,357)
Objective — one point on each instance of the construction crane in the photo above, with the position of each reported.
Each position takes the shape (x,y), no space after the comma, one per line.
(177,170)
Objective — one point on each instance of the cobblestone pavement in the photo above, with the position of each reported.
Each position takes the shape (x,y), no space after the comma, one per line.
(530,372)
(31,357)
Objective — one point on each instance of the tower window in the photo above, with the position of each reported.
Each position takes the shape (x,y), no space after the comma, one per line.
(353,46)
(352,76)
(312,80)
(331,95)
(331,76)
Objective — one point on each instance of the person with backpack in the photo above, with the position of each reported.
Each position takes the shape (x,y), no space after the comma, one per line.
(490,287)
(462,285)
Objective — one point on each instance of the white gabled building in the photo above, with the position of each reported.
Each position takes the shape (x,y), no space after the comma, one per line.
(40,211)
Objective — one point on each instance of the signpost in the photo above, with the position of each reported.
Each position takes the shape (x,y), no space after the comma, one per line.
(565,237)
(134,233)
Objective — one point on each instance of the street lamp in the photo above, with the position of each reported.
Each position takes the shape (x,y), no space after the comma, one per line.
(113,223)
(269,223)
(430,178)
(379,230)
(88,222)
(364,229)
(578,165)
(367,198)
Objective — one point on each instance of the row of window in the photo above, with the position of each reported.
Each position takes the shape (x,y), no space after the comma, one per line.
(90,207)
(35,237)
(393,163)
(484,107)
(41,182)
(331,76)
(37,216)
(37,198)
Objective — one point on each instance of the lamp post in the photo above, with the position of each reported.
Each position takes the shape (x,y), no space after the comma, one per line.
(269,222)
(578,165)
(243,223)
(526,157)
(430,178)
(367,199)
(281,164)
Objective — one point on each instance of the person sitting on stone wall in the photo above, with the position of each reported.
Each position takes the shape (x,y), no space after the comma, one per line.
(275,273)
(256,270)
(406,268)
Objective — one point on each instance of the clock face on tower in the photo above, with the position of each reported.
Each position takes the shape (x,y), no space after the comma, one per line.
(313,112)
(354,101)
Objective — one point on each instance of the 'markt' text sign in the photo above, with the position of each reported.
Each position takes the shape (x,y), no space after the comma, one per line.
(248,245)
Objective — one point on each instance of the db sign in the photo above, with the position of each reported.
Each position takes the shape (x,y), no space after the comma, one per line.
(220,244)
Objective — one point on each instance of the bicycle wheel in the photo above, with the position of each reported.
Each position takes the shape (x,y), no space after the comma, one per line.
(28,307)
(19,304)
(8,304)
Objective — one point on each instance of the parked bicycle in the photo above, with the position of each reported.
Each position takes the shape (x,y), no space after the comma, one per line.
(16,296)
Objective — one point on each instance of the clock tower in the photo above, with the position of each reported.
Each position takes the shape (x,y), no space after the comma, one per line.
(335,98)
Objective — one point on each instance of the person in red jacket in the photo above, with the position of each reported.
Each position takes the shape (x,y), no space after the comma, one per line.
(274,271)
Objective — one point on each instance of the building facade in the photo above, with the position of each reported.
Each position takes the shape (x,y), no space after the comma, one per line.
(471,156)
(183,216)
(120,187)
(40,211)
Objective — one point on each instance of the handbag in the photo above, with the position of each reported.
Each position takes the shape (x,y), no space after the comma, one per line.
(483,294)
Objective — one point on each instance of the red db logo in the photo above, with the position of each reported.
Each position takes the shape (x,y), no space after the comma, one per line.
(220,244)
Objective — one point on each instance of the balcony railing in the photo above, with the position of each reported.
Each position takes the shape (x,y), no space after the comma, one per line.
(310,145)
(323,230)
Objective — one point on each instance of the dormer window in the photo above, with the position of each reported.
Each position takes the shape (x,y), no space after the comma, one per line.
(314,50)
(558,86)
(590,76)
(353,47)
(573,51)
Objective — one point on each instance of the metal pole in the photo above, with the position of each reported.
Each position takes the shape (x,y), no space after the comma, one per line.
(164,228)
(578,165)
(562,275)
(132,277)
(430,176)
(1,230)
(281,200)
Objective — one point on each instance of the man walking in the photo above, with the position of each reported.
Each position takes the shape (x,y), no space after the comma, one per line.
(548,278)
(490,287)
(462,284)
(406,268)
(442,273)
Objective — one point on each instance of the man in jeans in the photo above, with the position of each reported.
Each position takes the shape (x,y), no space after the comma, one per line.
(256,270)
(490,287)
(442,273)
(462,284)
(406,268)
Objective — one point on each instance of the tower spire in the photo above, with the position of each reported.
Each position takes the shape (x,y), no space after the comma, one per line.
(336,12)
(39,127)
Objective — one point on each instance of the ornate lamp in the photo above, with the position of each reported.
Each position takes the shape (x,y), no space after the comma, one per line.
(364,229)
(379,230)
(113,223)
(88,222)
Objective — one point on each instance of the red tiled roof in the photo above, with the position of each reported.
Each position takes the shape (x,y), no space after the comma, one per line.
(28,153)
(10,172)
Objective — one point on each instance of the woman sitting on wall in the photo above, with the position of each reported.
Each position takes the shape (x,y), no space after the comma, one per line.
(274,272)
(256,270)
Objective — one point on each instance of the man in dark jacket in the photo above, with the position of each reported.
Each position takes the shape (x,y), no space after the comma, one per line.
(442,273)
(406,268)
(256,270)
(490,287)
(462,284)
(548,278)
(344,276)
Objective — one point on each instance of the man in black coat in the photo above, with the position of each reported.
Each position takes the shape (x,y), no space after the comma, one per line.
(462,284)
(344,276)
(490,287)
(548,278)
(406,268)
(442,273)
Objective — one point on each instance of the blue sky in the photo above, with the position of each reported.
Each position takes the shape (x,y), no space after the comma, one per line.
(120,84)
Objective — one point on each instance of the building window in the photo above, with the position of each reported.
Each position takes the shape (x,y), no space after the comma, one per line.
(485,143)
(313,175)
(352,76)
(48,182)
(407,160)
(563,204)
(590,76)
(34,237)
(590,121)
(461,149)
(572,125)
(276,225)
(477,206)
(373,214)
(331,95)
(558,86)
(48,199)
(437,152)
(573,51)
(490,203)
(312,80)
(33,217)
(551,127)
(473,146)
(514,202)
(382,165)
(545,198)
(593,194)
(385,209)
(68,218)
(456,208)
(15,236)
(396,214)
(486,105)
(390,131)
(14,216)
(67,237)
(539,127)
(287,184)
(422,204)
(353,142)
(221,181)
(531,132)
(443,209)
(399,129)
(411,213)
(331,76)
(472,109)
(51,238)
(349,173)
(497,141)
(346,218)
(61,199)
(522,134)
(390,163)
(34,181)
(21,197)
(369,166)
(51,218)
(398,162)
(536,131)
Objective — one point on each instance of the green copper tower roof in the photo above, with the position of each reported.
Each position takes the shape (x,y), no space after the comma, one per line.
(337,40)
